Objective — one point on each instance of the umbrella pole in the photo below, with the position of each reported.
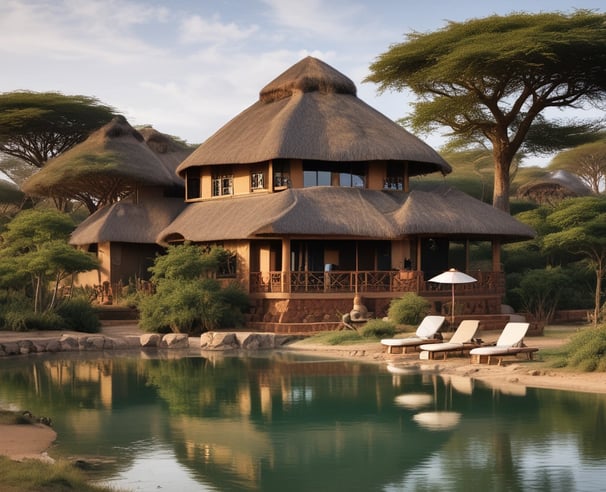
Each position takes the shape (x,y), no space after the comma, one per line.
(452,309)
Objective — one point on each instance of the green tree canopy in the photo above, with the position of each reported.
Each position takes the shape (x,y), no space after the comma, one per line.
(35,245)
(490,80)
(578,226)
(37,126)
(587,161)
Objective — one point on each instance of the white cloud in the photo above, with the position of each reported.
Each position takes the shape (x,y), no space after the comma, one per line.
(196,29)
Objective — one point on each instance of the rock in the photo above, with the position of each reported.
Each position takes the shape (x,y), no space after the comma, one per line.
(219,341)
(26,347)
(53,345)
(91,343)
(175,341)
(150,340)
(258,341)
(11,348)
(68,343)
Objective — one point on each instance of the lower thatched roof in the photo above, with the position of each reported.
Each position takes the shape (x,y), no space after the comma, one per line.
(128,222)
(344,212)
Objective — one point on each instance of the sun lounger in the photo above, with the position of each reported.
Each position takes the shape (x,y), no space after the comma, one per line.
(427,332)
(510,342)
(461,341)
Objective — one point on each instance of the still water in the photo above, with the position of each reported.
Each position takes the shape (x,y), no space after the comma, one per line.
(284,422)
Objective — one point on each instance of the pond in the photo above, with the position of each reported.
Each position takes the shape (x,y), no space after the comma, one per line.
(282,421)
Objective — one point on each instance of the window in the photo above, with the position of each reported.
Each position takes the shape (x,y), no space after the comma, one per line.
(316,178)
(257,181)
(192,183)
(350,180)
(223,184)
(395,177)
(281,171)
(345,174)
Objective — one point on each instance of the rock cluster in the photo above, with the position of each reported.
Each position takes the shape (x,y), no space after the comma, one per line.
(208,341)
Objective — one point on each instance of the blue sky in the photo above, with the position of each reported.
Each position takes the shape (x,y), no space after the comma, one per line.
(188,66)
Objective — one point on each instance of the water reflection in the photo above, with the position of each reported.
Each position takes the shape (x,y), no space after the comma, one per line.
(287,422)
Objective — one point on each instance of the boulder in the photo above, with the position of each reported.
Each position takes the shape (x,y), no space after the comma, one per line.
(150,340)
(26,347)
(68,343)
(219,341)
(175,341)
(258,341)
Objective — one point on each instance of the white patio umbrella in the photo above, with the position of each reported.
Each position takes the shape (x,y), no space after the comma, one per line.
(452,277)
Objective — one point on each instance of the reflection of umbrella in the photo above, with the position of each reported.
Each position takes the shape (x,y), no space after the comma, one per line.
(414,400)
(452,277)
(437,420)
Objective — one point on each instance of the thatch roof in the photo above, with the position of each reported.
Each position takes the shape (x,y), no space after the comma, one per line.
(128,222)
(168,149)
(114,156)
(344,212)
(554,185)
(311,112)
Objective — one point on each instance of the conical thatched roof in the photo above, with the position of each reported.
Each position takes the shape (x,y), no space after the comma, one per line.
(114,156)
(554,185)
(344,212)
(128,222)
(169,150)
(311,112)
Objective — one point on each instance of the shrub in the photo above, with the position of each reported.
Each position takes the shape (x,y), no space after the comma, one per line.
(26,320)
(585,352)
(377,328)
(79,315)
(409,309)
(539,292)
(233,296)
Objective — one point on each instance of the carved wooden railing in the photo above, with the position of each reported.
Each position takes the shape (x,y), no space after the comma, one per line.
(371,281)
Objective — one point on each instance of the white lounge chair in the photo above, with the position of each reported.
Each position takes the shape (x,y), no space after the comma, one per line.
(426,333)
(510,342)
(460,341)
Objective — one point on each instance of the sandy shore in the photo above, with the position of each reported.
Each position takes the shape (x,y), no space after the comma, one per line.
(33,441)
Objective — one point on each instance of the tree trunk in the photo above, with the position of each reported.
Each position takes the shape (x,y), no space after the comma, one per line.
(502,164)
(598,292)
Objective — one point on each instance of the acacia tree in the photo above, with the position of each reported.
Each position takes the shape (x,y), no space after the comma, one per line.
(578,226)
(490,80)
(35,246)
(37,126)
(587,161)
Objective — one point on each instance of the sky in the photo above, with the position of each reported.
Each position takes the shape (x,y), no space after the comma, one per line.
(187,67)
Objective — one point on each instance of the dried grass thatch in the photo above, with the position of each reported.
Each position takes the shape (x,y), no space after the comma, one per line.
(311,112)
(109,164)
(346,213)
(554,186)
(128,222)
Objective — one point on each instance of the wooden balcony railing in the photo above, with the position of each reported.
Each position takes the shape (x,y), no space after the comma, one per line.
(370,281)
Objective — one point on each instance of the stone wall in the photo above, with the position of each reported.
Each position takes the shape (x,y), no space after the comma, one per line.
(87,343)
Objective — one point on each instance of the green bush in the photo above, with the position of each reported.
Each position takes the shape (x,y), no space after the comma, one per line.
(377,328)
(78,315)
(585,352)
(238,301)
(26,320)
(409,309)
(539,292)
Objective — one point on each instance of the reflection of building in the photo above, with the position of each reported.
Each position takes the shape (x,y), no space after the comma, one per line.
(310,188)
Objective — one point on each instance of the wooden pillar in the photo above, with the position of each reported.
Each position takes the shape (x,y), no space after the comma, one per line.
(467,255)
(285,264)
(496,255)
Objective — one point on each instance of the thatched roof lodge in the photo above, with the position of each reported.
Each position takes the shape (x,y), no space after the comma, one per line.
(309,188)
(553,187)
